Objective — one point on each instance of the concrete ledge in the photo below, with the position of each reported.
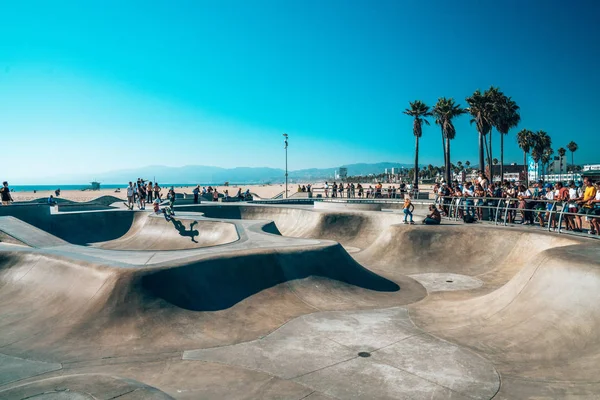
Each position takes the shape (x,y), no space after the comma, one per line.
(331,205)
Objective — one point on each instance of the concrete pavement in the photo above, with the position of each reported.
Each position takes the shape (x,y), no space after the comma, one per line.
(263,303)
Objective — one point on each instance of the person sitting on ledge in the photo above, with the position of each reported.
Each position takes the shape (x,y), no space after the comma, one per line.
(434,217)
(51,201)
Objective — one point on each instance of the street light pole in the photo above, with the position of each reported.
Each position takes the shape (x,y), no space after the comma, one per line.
(285,135)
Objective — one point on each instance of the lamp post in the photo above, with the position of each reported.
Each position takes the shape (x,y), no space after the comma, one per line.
(285,135)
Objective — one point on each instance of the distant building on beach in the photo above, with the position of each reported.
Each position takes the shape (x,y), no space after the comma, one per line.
(342,173)
(95,185)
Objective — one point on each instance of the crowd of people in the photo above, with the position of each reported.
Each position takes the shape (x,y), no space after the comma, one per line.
(541,204)
(350,190)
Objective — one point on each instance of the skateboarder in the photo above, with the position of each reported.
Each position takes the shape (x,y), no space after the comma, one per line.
(171,196)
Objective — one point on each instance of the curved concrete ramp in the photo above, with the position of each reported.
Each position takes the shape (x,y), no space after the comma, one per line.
(281,313)
(150,232)
(221,283)
(85,387)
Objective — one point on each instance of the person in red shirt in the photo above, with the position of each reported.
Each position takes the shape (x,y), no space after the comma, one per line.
(563,197)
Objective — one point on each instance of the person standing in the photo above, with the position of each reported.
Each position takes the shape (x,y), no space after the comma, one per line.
(5,194)
(130,193)
(150,191)
(408,209)
(562,195)
(142,195)
(595,215)
(157,190)
(326,187)
(572,208)
(585,200)
(196,192)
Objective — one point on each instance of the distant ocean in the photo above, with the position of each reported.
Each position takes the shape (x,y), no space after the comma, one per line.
(31,188)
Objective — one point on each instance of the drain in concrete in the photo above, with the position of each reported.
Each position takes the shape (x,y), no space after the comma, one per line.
(364,354)
(449,281)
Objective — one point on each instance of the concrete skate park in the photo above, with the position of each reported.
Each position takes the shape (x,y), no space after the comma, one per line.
(258,301)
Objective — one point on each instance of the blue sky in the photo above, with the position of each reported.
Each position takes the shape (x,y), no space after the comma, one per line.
(97,86)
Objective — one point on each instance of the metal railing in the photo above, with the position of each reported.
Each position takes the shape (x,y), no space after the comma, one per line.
(551,217)
(384,193)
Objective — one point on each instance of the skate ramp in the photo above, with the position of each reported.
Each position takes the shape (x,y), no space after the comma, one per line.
(473,250)
(149,232)
(211,302)
(540,328)
(119,230)
(352,229)
(237,311)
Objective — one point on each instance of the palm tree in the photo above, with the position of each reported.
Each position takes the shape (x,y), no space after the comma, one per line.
(479,109)
(572,146)
(543,142)
(495,161)
(492,95)
(561,153)
(468,164)
(546,158)
(506,117)
(525,139)
(536,155)
(419,111)
(444,112)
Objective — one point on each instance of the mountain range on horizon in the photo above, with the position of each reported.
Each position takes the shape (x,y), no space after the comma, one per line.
(193,174)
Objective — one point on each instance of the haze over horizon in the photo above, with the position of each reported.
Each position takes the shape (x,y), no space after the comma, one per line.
(106,86)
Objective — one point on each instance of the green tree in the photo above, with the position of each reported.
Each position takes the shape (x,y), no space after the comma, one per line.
(444,111)
(543,142)
(419,111)
(495,161)
(506,113)
(479,107)
(526,141)
(493,96)
(561,153)
(572,146)
(546,158)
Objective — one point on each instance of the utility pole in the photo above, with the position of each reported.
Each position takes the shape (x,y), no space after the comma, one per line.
(285,135)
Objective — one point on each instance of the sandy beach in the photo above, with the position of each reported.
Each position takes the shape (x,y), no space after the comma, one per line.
(263,191)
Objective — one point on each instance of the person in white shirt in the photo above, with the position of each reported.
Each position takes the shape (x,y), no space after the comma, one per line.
(130,196)
(550,196)
(572,207)
(468,193)
(524,195)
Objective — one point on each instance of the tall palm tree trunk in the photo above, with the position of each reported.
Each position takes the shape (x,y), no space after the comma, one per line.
(525,171)
(447,153)
(501,157)
(572,166)
(481,155)
(416,180)
(490,154)
(444,146)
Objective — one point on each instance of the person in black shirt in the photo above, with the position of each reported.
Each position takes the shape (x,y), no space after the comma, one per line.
(5,194)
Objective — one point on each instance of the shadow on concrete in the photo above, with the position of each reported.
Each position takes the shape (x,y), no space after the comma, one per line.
(218,284)
(191,233)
